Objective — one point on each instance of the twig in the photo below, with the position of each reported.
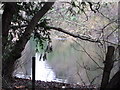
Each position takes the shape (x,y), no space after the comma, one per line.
(80,76)
(95,78)
(89,56)
(86,73)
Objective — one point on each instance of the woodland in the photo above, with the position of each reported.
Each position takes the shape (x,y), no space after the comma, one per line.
(85,22)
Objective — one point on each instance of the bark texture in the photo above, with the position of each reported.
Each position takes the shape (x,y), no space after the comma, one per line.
(9,10)
(8,63)
(114,82)
(108,66)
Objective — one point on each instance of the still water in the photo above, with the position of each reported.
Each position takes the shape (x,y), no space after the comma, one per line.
(44,71)
(70,62)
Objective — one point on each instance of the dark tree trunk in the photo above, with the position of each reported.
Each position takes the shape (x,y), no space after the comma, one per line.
(108,66)
(9,10)
(114,82)
(8,63)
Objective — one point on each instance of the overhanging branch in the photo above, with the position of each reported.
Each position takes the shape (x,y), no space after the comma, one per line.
(86,38)
(82,37)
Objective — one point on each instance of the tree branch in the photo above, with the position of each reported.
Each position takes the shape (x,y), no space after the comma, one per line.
(19,46)
(25,37)
(76,36)
(82,37)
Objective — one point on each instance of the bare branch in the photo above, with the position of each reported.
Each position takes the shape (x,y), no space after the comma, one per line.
(87,68)
(76,36)
(80,75)
(86,73)
(104,15)
(112,32)
(108,24)
(90,56)
(95,78)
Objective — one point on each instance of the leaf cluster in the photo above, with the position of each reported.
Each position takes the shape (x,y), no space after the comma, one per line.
(20,20)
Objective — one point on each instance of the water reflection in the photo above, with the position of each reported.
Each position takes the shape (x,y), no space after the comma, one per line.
(68,60)
(65,63)
(43,70)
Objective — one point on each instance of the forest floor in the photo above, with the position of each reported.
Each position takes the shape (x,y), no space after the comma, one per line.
(26,84)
